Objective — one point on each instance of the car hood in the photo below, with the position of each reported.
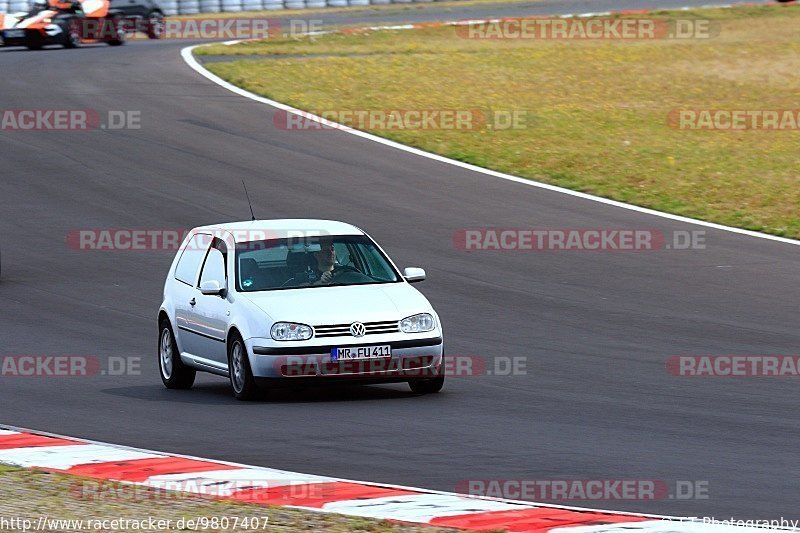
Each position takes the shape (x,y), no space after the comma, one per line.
(341,305)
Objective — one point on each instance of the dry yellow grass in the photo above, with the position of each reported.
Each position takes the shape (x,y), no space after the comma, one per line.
(598,109)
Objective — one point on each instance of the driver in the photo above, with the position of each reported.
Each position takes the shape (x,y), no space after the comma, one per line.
(325,262)
(63,5)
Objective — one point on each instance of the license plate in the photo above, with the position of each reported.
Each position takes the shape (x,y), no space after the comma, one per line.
(13,34)
(356,353)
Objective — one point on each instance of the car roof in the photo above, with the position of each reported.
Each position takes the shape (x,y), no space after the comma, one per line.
(252,230)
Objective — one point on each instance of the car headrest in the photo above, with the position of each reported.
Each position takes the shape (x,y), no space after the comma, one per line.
(297,261)
(248,267)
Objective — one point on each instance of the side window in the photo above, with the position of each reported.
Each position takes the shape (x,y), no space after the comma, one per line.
(342,253)
(192,256)
(214,267)
(375,266)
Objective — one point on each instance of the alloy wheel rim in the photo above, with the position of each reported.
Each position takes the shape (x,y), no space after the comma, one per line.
(166,354)
(237,372)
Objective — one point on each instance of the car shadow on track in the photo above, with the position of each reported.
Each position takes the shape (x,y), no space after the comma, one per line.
(212,394)
(51,48)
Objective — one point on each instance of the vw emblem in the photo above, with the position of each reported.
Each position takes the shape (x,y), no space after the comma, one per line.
(357,329)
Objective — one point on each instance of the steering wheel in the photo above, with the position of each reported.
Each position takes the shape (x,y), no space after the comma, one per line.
(341,269)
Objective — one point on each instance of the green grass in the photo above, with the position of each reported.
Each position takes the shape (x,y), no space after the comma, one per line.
(599,108)
(375,10)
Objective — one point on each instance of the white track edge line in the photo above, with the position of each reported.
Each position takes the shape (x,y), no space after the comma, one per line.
(189,59)
(369,483)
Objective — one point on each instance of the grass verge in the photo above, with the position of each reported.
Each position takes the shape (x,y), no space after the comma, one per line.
(32,495)
(597,111)
(377,9)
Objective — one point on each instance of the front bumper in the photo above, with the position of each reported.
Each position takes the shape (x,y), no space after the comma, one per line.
(28,37)
(411,359)
(16,37)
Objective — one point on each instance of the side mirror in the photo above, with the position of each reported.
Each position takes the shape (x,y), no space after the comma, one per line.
(414,274)
(212,288)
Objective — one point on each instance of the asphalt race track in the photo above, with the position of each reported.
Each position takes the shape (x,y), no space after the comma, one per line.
(595,328)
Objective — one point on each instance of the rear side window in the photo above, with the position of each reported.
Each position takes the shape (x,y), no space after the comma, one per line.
(193,254)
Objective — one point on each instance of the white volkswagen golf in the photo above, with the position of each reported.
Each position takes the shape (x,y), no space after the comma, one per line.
(274,302)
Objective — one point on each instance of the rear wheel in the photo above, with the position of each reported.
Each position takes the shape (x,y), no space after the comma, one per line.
(116,31)
(174,373)
(155,25)
(72,35)
(242,382)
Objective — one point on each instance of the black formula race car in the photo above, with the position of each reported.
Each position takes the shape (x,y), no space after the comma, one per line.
(64,22)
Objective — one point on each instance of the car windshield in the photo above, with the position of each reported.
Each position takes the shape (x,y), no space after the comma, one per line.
(311,262)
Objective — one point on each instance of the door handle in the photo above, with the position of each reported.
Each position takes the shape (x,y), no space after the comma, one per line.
(192,302)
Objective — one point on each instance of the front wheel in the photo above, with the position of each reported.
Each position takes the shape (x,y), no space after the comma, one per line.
(35,42)
(174,373)
(242,382)
(427,386)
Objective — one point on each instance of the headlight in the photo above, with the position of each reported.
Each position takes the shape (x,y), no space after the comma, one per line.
(417,323)
(289,331)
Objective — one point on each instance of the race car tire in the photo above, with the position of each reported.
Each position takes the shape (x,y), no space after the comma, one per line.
(72,37)
(155,25)
(35,42)
(117,29)
(174,374)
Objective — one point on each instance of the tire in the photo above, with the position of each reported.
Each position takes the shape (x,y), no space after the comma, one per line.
(117,30)
(155,25)
(72,35)
(174,373)
(428,385)
(242,383)
(35,42)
